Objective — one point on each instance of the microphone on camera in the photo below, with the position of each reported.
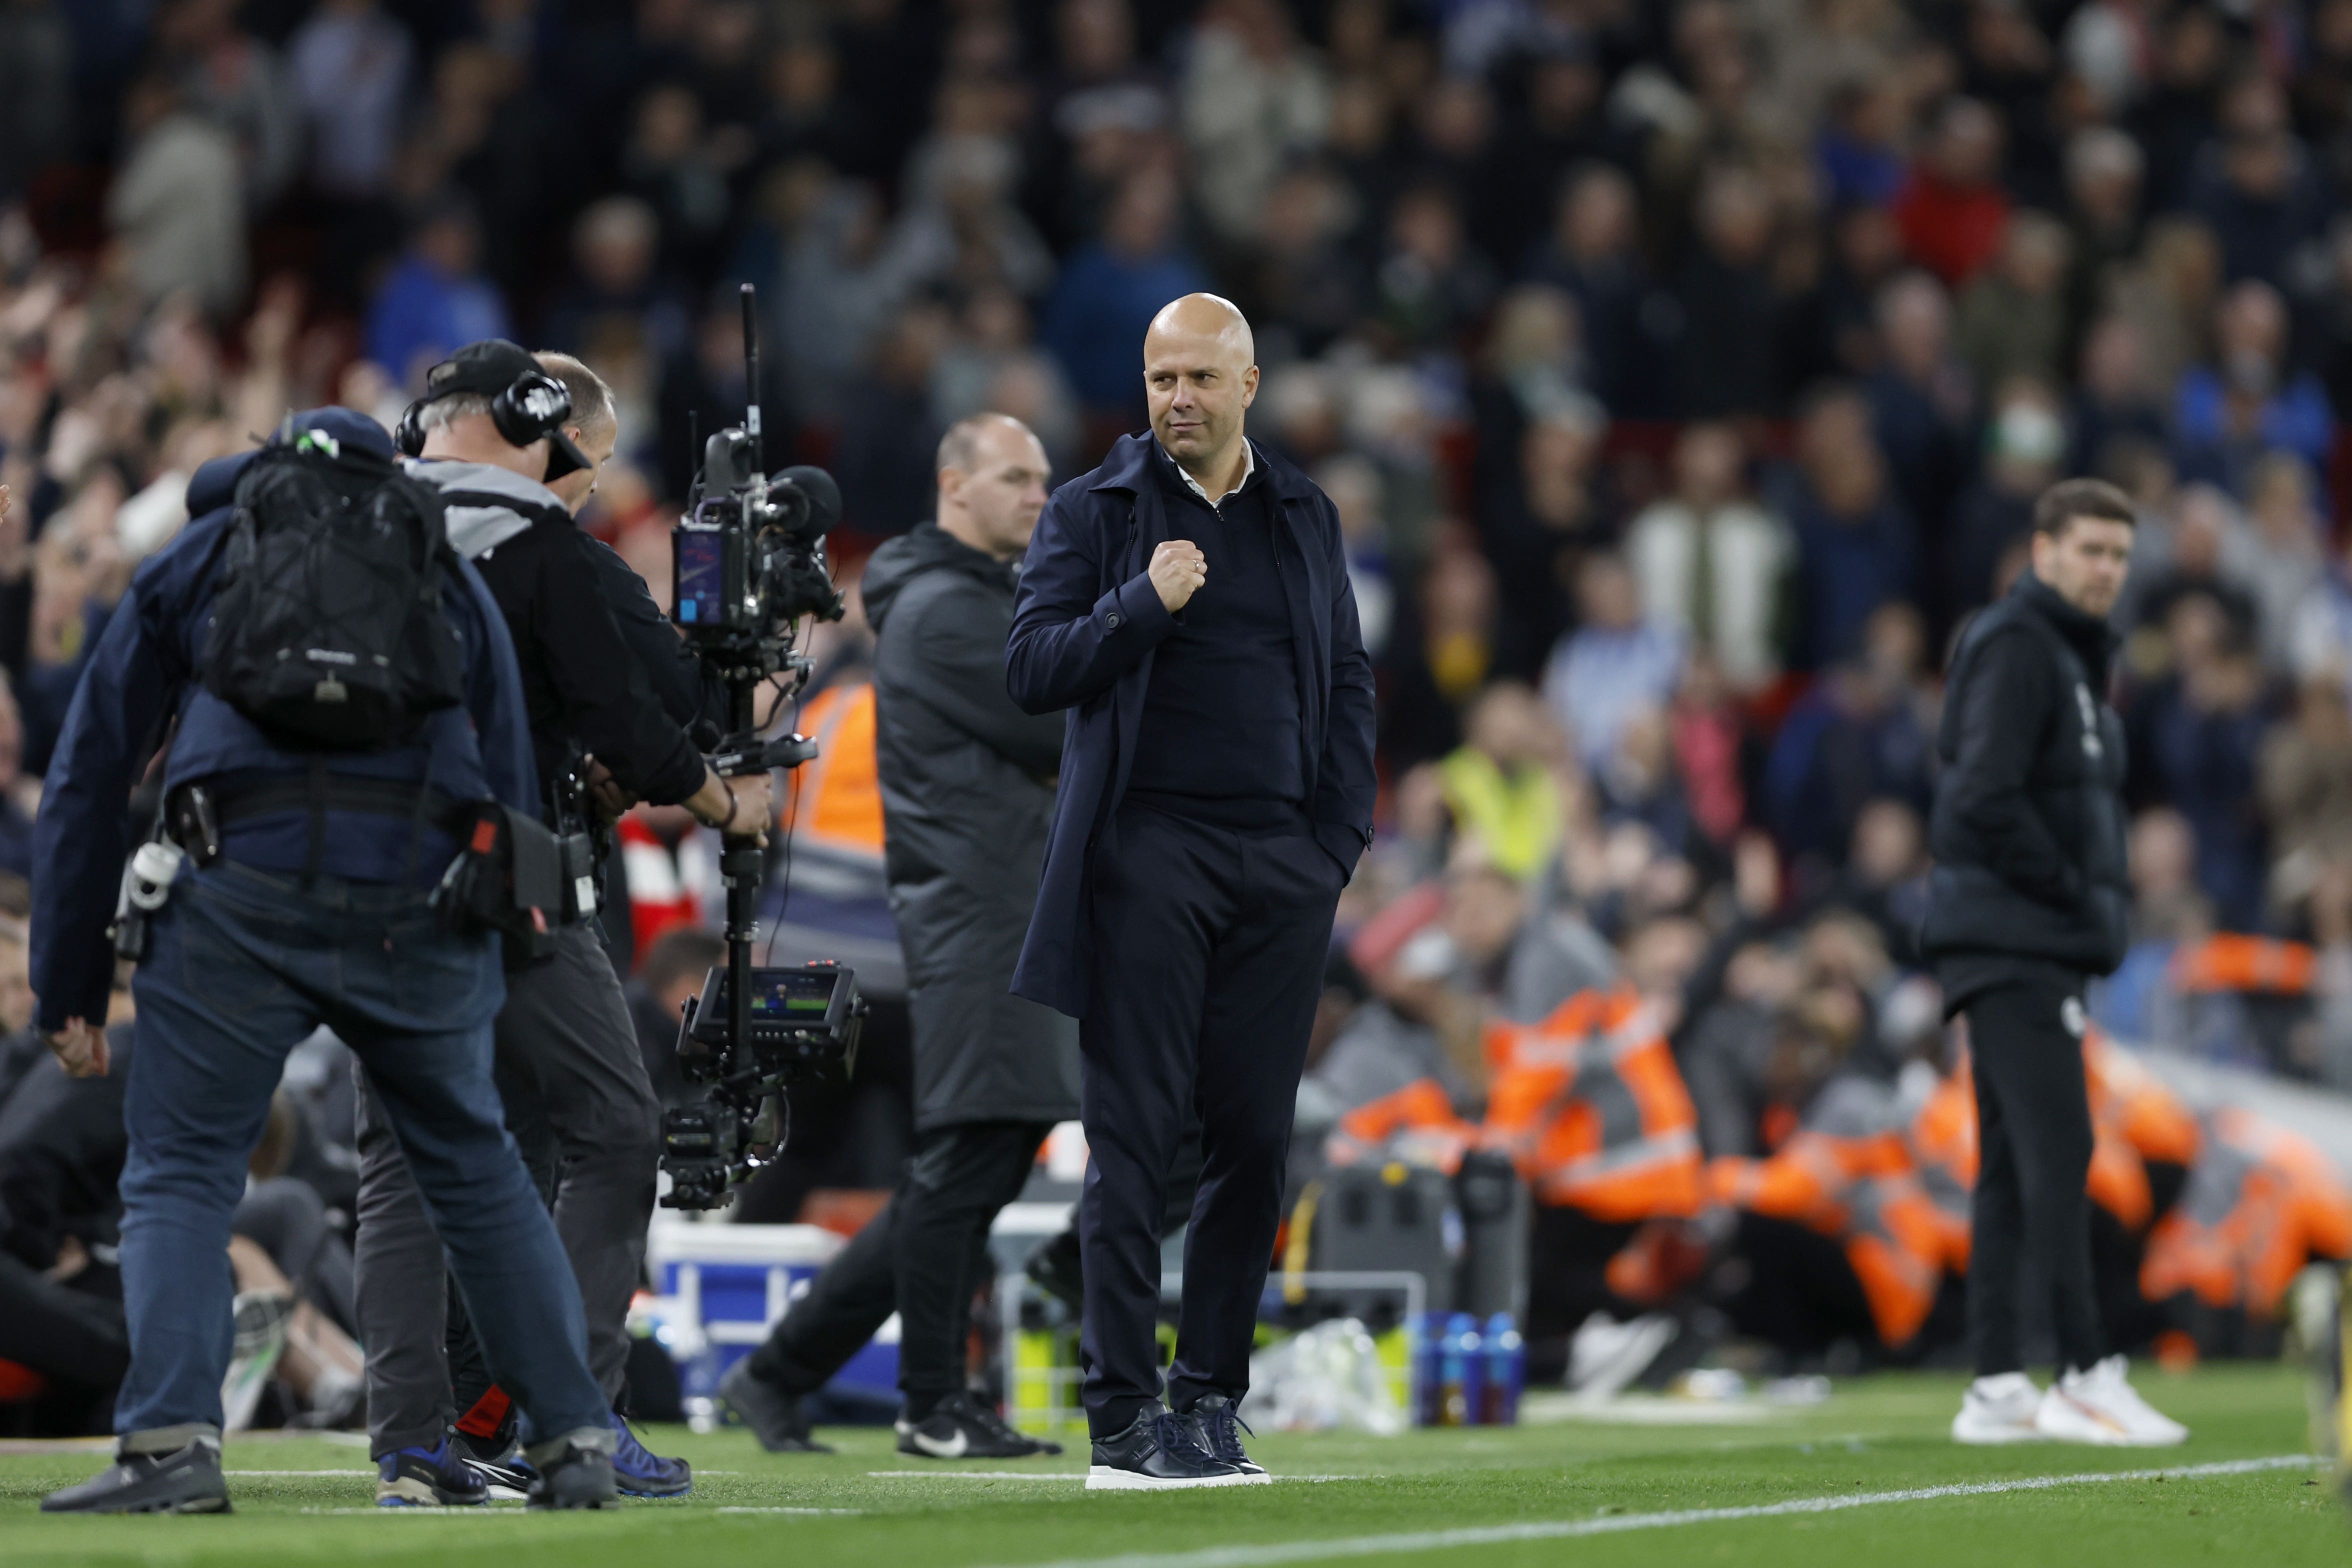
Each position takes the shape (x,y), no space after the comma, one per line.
(822,493)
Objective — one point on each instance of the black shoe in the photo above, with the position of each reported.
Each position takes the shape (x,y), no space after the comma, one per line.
(507,1473)
(186,1481)
(1221,1433)
(1055,1269)
(959,1428)
(574,1478)
(773,1415)
(1160,1449)
(997,1423)
(438,1476)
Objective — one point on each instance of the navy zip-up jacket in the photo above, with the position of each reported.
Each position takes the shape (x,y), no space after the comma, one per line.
(1084,625)
(144,670)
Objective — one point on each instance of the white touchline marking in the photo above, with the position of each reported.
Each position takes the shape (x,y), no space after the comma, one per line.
(851,1512)
(1276,1551)
(297,1472)
(1044,1476)
(977,1475)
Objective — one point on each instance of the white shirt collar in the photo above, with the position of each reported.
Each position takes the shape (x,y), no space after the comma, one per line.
(1249,467)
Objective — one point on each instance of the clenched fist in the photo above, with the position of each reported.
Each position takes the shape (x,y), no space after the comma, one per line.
(1177,571)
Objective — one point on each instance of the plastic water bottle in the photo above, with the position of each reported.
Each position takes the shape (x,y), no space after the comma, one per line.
(1506,1371)
(1459,1372)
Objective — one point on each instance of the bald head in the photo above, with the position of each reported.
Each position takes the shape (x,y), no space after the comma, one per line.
(1202,323)
(1199,376)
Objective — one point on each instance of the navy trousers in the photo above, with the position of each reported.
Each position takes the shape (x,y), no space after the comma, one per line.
(1208,959)
(245,964)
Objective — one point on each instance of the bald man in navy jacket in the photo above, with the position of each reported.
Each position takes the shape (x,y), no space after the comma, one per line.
(1188,602)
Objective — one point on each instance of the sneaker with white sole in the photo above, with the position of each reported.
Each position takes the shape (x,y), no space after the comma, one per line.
(2101,1407)
(1999,1409)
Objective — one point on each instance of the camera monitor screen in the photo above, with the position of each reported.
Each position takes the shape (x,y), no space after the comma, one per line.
(795,993)
(701,577)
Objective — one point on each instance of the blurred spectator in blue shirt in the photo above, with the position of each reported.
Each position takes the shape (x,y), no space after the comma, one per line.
(1859,151)
(1854,545)
(437,300)
(1616,664)
(1112,287)
(2246,401)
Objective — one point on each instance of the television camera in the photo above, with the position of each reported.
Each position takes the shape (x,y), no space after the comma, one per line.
(751,566)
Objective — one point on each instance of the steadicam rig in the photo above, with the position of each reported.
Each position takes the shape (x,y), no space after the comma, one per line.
(750,559)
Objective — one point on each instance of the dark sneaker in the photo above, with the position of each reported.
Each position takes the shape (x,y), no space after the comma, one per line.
(997,1423)
(1159,1449)
(572,1477)
(507,1474)
(773,1415)
(186,1481)
(1221,1433)
(641,1473)
(438,1476)
(957,1428)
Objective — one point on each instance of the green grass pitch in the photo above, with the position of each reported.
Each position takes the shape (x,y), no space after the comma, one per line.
(1555,1492)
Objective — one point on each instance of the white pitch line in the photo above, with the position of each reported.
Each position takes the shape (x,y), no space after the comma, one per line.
(977,1475)
(1279,1551)
(297,1472)
(850,1513)
(1044,1476)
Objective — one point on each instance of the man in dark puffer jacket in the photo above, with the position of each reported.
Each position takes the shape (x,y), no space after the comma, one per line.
(2026,901)
(966,793)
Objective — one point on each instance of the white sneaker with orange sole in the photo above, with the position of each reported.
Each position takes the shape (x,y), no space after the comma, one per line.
(2101,1407)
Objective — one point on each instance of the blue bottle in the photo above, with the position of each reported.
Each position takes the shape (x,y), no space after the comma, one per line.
(1506,1371)
(1461,1372)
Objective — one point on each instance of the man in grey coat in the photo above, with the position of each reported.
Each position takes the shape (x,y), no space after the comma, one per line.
(966,793)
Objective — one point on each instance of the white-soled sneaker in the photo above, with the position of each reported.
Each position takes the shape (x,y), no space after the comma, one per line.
(1999,1409)
(2101,1407)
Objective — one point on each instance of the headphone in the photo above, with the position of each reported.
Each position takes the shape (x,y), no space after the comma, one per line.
(534,408)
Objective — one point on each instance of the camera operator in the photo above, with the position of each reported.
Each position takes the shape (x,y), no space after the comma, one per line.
(302,900)
(967,786)
(593,680)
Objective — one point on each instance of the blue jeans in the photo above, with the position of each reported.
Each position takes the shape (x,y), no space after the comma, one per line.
(245,964)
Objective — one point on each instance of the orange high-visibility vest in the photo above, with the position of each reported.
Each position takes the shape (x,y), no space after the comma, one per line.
(2261,1203)
(835,801)
(1862,1192)
(1416,1124)
(1590,1105)
(2136,1103)
(2231,962)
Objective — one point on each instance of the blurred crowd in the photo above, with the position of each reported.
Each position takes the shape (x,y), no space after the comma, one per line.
(1684,374)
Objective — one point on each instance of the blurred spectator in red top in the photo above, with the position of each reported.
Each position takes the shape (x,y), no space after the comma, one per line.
(1951,211)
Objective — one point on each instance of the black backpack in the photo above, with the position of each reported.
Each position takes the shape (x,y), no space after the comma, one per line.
(327,628)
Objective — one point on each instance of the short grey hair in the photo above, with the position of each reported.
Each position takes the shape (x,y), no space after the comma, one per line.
(445,412)
(592,398)
(960,447)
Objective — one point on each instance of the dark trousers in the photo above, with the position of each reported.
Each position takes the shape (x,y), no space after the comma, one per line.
(60,1330)
(1208,952)
(246,963)
(2033,1138)
(923,1255)
(575,1095)
(1567,1281)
